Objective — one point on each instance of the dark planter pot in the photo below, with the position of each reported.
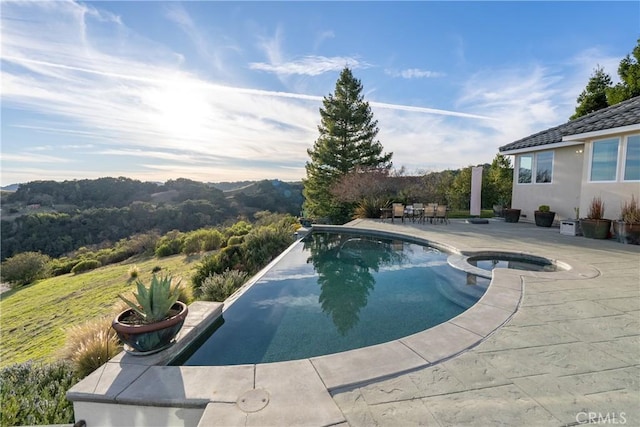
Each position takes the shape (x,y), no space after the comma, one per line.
(544,219)
(511,215)
(627,233)
(150,338)
(595,228)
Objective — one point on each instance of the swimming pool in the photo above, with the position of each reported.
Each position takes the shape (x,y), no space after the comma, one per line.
(333,292)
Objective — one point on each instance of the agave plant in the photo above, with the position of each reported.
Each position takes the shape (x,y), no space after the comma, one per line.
(154,302)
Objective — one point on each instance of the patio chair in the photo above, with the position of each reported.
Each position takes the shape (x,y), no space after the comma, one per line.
(430,212)
(441,214)
(397,211)
(418,212)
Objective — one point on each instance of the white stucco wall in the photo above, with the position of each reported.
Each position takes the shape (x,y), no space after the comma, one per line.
(613,193)
(562,194)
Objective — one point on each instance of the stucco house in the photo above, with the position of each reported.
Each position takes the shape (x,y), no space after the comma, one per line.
(566,166)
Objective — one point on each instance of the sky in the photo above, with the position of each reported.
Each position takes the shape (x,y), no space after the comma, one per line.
(231,91)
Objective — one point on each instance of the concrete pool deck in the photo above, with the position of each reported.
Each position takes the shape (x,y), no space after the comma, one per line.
(539,349)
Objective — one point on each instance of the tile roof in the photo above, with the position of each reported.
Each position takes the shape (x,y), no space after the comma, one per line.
(623,114)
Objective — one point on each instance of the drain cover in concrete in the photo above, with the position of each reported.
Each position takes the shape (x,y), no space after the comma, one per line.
(253,400)
(477,221)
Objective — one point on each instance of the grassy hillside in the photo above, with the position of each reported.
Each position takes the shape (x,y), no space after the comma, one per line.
(34,318)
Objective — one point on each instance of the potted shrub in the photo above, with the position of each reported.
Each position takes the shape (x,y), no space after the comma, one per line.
(627,229)
(511,215)
(595,226)
(152,322)
(544,216)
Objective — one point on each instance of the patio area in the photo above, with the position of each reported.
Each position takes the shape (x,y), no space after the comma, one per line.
(548,349)
(568,356)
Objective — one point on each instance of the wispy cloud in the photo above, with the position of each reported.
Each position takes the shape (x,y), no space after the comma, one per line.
(321,37)
(414,73)
(310,65)
(130,107)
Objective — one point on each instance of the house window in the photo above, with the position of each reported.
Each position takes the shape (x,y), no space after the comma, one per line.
(632,159)
(544,167)
(604,160)
(524,169)
(541,163)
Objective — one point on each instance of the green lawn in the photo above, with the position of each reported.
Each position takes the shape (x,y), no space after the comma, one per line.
(33,319)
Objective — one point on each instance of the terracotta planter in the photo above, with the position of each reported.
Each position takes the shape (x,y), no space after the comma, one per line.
(627,233)
(544,219)
(595,228)
(511,215)
(143,339)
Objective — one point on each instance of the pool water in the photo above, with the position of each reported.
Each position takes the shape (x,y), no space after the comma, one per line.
(336,292)
(513,262)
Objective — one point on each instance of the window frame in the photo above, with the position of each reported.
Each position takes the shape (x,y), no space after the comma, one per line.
(617,168)
(534,167)
(621,159)
(625,157)
(520,167)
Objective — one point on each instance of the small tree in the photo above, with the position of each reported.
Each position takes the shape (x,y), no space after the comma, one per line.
(346,143)
(25,267)
(594,97)
(499,182)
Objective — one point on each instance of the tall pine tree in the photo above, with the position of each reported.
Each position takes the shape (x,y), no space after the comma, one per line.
(346,143)
(629,72)
(594,96)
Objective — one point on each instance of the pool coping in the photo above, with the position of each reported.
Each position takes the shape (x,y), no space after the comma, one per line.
(135,380)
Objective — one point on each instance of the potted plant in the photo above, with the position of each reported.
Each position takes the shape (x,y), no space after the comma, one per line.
(595,226)
(627,229)
(151,324)
(544,216)
(511,215)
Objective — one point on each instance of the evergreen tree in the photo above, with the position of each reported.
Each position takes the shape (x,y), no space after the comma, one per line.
(629,72)
(594,97)
(346,143)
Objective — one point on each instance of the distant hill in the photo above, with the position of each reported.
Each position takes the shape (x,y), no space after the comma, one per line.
(11,187)
(230,186)
(58,217)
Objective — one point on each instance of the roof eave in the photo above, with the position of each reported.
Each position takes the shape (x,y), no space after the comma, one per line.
(603,132)
(544,147)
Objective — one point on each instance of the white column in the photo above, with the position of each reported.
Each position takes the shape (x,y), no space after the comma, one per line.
(476,190)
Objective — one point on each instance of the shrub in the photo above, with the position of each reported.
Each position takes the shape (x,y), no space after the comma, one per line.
(156,269)
(33,394)
(186,294)
(240,228)
(63,265)
(113,255)
(164,250)
(596,209)
(25,267)
(170,244)
(85,265)
(218,287)
(192,244)
(263,244)
(211,239)
(133,272)
(544,208)
(202,240)
(369,208)
(91,345)
(229,258)
(630,211)
(235,240)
